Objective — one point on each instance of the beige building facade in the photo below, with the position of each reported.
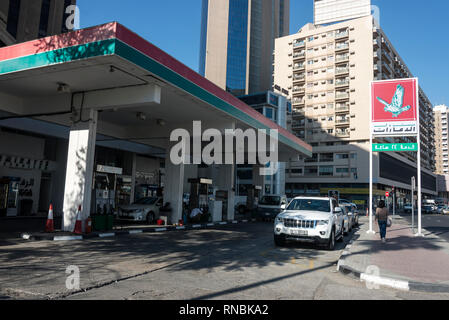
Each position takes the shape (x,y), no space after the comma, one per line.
(327,71)
(441,114)
(24,20)
(237,42)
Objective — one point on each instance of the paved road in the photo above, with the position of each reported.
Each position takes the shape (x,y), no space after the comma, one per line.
(435,223)
(233,262)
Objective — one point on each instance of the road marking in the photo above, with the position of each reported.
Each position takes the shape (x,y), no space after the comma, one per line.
(160,229)
(223,223)
(67,238)
(135,231)
(245,221)
(196,226)
(311,264)
(210,224)
(180,228)
(105,235)
(235,222)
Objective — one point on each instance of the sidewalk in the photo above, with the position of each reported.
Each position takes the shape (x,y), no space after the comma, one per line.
(405,262)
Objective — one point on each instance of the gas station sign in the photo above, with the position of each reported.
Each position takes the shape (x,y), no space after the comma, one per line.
(394,106)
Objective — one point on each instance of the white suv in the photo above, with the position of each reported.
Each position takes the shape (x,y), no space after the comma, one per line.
(310,219)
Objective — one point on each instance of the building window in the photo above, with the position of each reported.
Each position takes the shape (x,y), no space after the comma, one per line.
(326,171)
(340,156)
(311,171)
(296,171)
(13,17)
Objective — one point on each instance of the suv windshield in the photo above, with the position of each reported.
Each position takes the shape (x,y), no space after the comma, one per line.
(310,204)
(270,200)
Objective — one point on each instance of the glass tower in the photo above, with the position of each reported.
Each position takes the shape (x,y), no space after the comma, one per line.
(237,42)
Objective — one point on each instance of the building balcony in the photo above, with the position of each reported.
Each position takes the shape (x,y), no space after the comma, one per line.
(299,44)
(342,134)
(386,68)
(339,122)
(298,114)
(342,108)
(299,67)
(298,101)
(341,71)
(340,35)
(299,55)
(342,96)
(301,78)
(343,83)
(299,90)
(341,47)
(342,58)
(298,125)
(386,46)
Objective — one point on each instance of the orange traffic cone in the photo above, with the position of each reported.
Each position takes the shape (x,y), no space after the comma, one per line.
(49,226)
(78,225)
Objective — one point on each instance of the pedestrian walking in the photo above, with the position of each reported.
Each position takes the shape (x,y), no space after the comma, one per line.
(382,218)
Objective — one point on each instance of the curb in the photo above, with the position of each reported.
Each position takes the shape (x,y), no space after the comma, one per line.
(385,281)
(36,237)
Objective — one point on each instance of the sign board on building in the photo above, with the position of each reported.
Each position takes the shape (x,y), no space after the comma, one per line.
(394,106)
(395,147)
(107,169)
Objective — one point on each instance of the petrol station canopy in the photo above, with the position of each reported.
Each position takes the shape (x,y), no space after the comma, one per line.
(141,92)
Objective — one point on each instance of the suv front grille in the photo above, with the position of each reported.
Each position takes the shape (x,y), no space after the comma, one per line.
(294,223)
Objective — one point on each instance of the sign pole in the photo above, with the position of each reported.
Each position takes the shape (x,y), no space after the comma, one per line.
(370,231)
(413,205)
(418,138)
(394,203)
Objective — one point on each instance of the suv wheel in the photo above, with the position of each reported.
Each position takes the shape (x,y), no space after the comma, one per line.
(331,244)
(279,241)
(342,234)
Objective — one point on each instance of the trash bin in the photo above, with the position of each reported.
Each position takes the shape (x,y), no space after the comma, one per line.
(109,222)
(99,222)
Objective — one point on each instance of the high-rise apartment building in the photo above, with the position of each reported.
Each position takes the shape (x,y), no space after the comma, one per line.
(329,11)
(328,70)
(441,114)
(24,20)
(237,42)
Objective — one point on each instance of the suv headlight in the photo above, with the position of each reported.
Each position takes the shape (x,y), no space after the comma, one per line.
(279,220)
(323,222)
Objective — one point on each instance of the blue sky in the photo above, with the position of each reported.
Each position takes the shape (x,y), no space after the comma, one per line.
(419,32)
